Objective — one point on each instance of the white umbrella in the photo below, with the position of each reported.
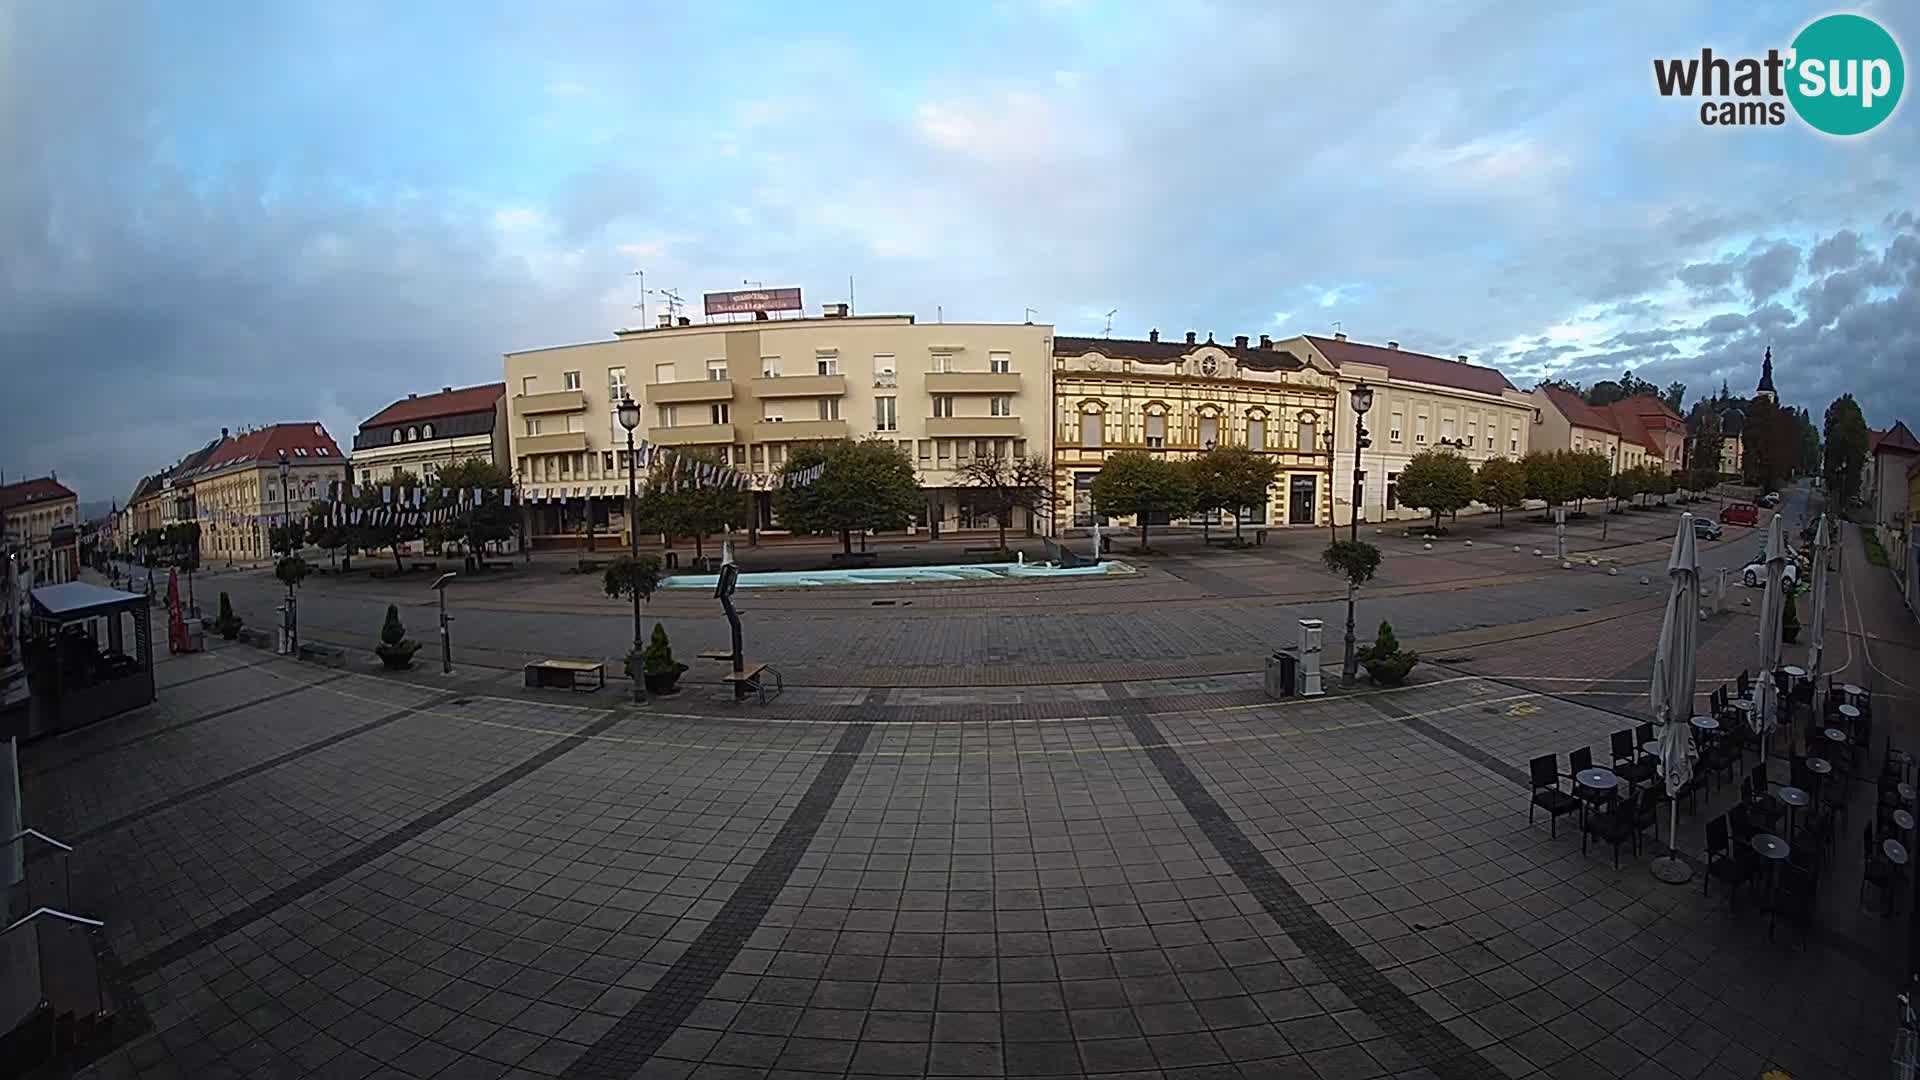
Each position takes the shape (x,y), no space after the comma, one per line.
(1817,628)
(1672,687)
(1772,606)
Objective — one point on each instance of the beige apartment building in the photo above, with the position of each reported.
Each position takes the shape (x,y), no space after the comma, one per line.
(234,486)
(1184,398)
(1568,423)
(750,391)
(39,524)
(424,433)
(1420,402)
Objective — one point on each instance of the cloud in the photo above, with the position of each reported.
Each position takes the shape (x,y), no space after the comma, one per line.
(1707,276)
(1836,252)
(1770,270)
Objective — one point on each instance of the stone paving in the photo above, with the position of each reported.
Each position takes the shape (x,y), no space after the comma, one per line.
(309,872)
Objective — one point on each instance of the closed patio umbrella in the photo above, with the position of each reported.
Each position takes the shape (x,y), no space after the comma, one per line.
(1772,606)
(1672,687)
(1817,628)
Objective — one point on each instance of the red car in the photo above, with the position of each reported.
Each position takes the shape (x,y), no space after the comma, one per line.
(1740,513)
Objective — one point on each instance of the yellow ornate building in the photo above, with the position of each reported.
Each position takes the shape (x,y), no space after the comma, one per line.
(1185,397)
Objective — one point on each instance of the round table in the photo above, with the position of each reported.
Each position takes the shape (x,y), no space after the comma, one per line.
(1835,734)
(1705,723)
(1906,791)
(1903,819)
(1851,690)
(1819,766)
(1597,779)
(1851,712)
(1769,846)
(1895,851)
(1795,671)
(1651,748)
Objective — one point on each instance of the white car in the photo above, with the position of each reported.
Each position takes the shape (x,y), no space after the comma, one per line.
(1755,573)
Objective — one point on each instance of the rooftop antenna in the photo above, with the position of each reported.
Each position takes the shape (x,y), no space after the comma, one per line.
(1336,326)
(849,294)
(1110,322)
(642,305)
(672,299)
(755,284)
(1030,314)
(939,313)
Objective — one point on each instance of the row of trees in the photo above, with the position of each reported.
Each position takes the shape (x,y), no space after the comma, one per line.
(1229,478)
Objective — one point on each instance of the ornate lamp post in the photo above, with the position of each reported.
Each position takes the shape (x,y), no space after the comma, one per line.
(1361,399)
(286,532)
(629,413)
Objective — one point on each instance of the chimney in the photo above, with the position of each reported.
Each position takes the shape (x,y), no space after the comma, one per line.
(684,321)
(1339,335)
(1393,345)
(1189,337)
(1461,357)
(834,311)
(1239,341)
(446,389)
(759,316)
(1266,341)
(223,433)
(664,320)
(413,397)
(1153,334)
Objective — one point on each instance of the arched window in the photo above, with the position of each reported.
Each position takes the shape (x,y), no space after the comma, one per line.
(426,432)
(1156,427)
(1092,427)
(1209,427)
(413,434)
(1308,432)
(396,434)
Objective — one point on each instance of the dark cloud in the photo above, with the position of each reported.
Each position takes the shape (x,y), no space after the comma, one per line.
(1836,252)
(1709,275)
(1770,270)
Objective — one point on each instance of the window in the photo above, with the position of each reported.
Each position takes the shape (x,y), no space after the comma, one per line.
(830,408)
(396,433)
(769,367)
(943,405)
(1393,489)
(1002,406)
(885,416)
(1420,431)
(663,373)
(606,461)
(771,412)
(1446,428)
(550,468)
(527,384)
(1394,426)
(413,434)
(669,415)
(716,371)
(576,422)
(944,447)
(776,454)
(1257,432)
(826,365)
(739,454)
(883,369)
(942,362)
(1473,434)
(1019,448)
(720,412)
(533,425)
(616,385)
(570,380)
(999,362)
(1308,434)
(1090,430)
(566,466)
(625,461)
(926,449)
(1156,430)
(983,448)
(426,432)
(759,456)
(1209,431)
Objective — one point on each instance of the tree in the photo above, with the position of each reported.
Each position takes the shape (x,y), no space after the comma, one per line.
(289,537)
(1551,477)
(379,526)
(1708,445)
(1846,448)
(326,535)
(1625,484)
(473,524)
(1232,478)
(1674,395)
(181,541)
(1142,484)
(1004,484)
(862,485)
(1438,481)
(1772,443)
(1502,484)
(1659,482)
(1355,560)
(1593,476)
(682,506)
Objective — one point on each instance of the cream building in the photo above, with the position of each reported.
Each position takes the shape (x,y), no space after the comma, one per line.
(235,490)
(40,520)
(1420,402)
(945,392)
(422,434)
(1183,397)
(1568,423)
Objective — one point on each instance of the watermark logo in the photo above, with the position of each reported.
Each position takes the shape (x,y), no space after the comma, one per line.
(1843,76)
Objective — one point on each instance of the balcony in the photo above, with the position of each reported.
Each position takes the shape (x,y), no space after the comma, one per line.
(559,401)
(973,382)
(677,392)
(690,435)
(799,430)
(983,427)
(787,386)
(560,442)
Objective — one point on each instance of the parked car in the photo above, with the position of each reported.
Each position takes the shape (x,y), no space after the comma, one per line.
(1755,573)
(1705,528)
(1740,513)
(1770,499)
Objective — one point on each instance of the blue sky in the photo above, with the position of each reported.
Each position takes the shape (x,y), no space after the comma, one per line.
(224,213)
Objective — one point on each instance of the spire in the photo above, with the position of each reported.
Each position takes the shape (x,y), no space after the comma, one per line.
(1765,389)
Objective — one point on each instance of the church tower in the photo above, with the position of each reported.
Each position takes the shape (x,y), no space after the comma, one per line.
(1765,389)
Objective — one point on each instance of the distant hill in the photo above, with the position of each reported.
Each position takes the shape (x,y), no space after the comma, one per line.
(96,509)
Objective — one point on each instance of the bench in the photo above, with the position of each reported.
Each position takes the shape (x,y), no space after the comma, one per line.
(716,654)
(554,674)
(754,677)
(423,564)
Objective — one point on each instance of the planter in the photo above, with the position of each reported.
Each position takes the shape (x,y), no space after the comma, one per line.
(664,682)
(228,633)
(1391,671)
(397,657)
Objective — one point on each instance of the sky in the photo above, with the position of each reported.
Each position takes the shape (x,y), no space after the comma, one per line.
(223,213)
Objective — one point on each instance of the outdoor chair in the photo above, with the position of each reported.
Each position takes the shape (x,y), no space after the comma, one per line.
(1878,872)
(1744,684)
(1793,898)
(1646,813)
(1579,761)
(1722,863)
(1614,825)
(1548,794)
(1723,757)
(1762,809)
(1628,763)
(1643,734)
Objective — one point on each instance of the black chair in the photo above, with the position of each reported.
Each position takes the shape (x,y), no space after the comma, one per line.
(1646,813)
(1878,873)
(1548,795)
(1628,763)
(1793,893)
(1722,863)
(1744,684)
(1579,761)
(1614,825)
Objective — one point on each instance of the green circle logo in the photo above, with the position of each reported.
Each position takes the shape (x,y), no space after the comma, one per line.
(1846,74)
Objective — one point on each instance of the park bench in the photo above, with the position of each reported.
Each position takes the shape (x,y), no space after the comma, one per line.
(423,564)
(752,676)
(543,674)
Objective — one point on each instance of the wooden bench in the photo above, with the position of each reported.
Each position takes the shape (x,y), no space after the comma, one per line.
(553,674)
(423,564)
(754,677)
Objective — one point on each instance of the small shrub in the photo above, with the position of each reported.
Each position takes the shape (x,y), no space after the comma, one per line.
(1386,664)
(395,649)
(659,656)
(226,624)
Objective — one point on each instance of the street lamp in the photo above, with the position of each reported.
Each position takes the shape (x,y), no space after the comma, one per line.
(286,533)
(1361,400)
(629,414)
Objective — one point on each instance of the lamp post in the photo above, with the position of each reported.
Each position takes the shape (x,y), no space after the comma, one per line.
(286,533)
(629,414)
(1361,399)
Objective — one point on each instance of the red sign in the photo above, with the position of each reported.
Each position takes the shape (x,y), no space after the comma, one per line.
(752,300)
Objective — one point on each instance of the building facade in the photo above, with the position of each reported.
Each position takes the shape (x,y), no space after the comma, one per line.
(40,524)
(1655,427)
(422,434)
(1183,398)
(750,391)
(1891,456)
(1568,423)
(234,487)
(1420,402)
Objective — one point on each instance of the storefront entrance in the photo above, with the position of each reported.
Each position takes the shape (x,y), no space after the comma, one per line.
(1302,495)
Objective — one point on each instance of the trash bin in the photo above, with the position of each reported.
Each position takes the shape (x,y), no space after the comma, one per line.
(196,635)
(1283,671)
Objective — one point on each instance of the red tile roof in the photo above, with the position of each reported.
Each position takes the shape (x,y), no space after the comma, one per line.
(1414,367)
(1167,352)
(1632,427)
(1649,405)
(38,490)
(467,399)
(305,443)
(1895,438)
(1578,412)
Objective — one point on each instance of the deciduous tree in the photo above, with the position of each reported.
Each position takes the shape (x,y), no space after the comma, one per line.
(1136,482)
(1004,484)
(1593,476)
(380,526)
(1551,477)
(1846,448)
(1232,478)
(1502,484)
(1438,481)
(473,524)
(862,485)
